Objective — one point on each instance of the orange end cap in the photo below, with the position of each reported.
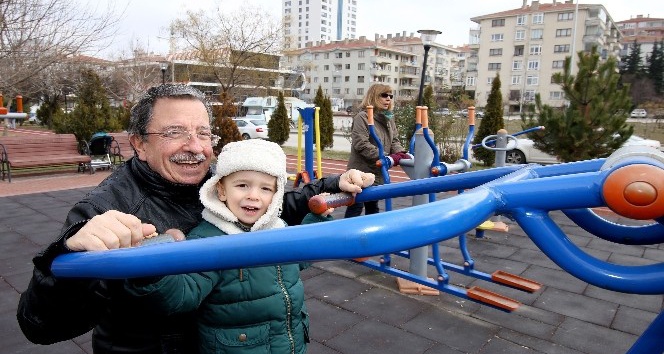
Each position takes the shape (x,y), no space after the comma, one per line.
(317,204)
(3,110)
(636,191)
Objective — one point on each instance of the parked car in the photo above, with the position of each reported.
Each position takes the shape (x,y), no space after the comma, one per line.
(443,111)
(479,114)
(638,113)
(525,151)
(251,128)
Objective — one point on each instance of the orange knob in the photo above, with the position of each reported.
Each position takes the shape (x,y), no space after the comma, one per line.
(636,191)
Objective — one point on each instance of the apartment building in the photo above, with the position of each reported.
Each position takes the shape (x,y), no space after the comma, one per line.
(345,69)
(646,31)
(318,20)
(527,45)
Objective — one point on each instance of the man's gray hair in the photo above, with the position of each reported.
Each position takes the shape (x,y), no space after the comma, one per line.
(141,113)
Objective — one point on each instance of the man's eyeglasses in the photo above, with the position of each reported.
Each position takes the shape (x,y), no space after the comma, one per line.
(386,95)
(184,136)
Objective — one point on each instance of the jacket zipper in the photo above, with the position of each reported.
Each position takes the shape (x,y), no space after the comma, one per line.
(289,309)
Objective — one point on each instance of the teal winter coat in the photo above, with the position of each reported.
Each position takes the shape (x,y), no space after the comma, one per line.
(248,310)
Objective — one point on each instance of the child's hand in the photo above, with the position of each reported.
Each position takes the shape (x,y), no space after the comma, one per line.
(328,211)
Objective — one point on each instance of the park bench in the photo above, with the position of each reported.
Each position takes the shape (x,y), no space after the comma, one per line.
(21,152)
(121,149)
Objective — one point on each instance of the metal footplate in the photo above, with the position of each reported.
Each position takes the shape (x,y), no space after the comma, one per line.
(491,298)
(515,281)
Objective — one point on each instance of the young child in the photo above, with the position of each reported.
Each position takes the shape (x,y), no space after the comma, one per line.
(241,310)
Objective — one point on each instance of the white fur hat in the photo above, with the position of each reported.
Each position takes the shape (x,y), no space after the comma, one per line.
(247,155)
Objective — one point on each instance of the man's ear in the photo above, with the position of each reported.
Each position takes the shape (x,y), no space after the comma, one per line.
(139,145)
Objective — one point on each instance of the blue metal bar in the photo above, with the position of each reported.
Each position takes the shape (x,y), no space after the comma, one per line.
(651,339)
(384,163)
(649,234)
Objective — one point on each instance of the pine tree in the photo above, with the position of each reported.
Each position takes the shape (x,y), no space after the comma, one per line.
(326,122)
(594,124)
(278,128)
(319,101)
(656,66)
(633,60)
(491,123)
(223,124)
(92,110)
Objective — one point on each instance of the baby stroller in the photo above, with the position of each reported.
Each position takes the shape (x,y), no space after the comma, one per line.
(99,150)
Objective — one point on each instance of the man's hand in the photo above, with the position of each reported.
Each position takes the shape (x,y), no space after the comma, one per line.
(110,230)
(354,180)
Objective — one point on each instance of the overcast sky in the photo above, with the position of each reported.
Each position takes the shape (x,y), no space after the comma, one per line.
(147,21)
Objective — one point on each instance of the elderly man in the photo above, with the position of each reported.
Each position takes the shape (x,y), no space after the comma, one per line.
(157,190)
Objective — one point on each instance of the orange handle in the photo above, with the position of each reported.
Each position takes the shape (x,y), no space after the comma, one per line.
(370,115)
(319,203)
(471,115)
(418,115)
(425,117)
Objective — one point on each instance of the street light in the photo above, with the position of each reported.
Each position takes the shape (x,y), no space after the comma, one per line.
(427,36)
(164,66)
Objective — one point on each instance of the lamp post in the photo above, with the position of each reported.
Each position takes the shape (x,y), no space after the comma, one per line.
(428,36)
(164,66)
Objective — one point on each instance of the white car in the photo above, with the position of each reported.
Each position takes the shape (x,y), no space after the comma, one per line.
(638,113)
(251,128)
(525,151)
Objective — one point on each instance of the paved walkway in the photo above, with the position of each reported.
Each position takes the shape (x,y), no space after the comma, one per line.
(358,310)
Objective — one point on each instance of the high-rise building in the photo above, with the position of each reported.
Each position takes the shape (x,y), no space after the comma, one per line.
(527,45)
(646,31)
(318,20)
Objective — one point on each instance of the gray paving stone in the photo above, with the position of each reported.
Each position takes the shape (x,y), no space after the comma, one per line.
(593,339)
(632,320)
(579,307)
(533,257)
(630,250)
(652,303)
(459,332)
(442,349)
(328,321)
(516,322)
(373,337)
(386,306)
(498,345)
(334,289)
(555,279)
(654,254)
(536,344)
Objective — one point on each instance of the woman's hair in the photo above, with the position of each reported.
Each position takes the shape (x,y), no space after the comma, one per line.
(141,112)
(372,98)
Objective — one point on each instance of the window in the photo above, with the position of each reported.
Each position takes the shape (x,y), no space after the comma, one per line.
(496,52)
(497,37)
(346,78)
(336,91)
(518,51)
(326,67)
(498,23)
(565,16)
(538,18)
(360,91)
(515,95)
(360,79)
(521,20)
(347,66)
(536,49)
(315,79)
(516,79)
(360,66)
(556,95)
(326,79)
(533,64)
(517,65)
(561,48)
(347,54)
(529,95)
(489,80)
(470,81)
(326,56)
(338,55)
(520,35)
(494,66)
(537,34)
(558,64)
(360,54)
(532,80)
(564,32)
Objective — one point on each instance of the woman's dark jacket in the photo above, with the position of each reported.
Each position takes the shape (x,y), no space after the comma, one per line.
(53,310)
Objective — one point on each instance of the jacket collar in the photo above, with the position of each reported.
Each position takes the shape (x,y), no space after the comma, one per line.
(156,184)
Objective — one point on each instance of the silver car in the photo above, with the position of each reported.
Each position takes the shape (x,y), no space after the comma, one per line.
(251,128)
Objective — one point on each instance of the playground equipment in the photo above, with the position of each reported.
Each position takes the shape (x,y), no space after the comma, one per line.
(630,182)
(308,118)
(11,117)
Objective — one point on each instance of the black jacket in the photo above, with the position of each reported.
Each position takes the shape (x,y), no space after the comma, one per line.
(53,310)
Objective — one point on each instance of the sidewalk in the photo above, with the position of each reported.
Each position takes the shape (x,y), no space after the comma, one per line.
(355,309)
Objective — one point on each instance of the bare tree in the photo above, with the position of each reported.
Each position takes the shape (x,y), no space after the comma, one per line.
(237,49)
(36,37)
